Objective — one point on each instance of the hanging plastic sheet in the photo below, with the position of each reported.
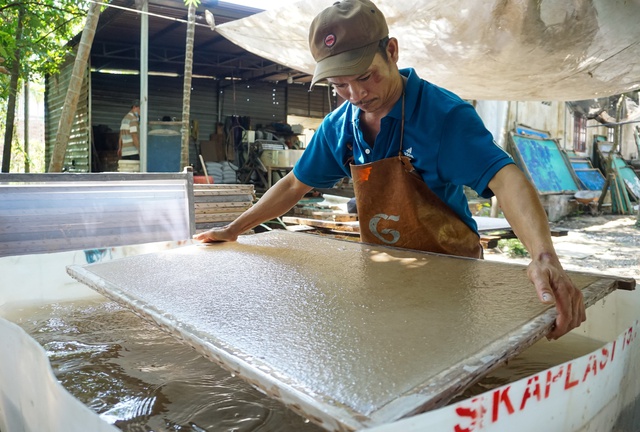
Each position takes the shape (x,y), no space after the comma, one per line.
(59,212)
(490,49)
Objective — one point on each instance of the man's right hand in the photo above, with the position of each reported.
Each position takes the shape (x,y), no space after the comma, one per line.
(216,235)
(279,199)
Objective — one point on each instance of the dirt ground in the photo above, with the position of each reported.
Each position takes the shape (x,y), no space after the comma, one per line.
(602,244)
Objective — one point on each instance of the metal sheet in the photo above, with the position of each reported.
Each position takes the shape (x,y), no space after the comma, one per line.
(486,224)
(347,334)
(490,49)
(59,212)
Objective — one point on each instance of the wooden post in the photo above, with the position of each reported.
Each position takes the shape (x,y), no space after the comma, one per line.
(26,126)
(608,165)
(186,89)
(204,168)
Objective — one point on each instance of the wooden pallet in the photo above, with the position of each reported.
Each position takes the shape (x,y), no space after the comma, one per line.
(491,231)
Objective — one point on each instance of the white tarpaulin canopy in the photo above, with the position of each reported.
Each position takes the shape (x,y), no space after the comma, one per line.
(490,49)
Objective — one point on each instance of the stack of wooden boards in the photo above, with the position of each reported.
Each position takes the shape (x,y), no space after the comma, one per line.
(219,204)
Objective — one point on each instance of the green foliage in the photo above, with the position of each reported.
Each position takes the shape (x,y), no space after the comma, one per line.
(36,140)
(513,247)
(47,26)
(34,36)
(35,157)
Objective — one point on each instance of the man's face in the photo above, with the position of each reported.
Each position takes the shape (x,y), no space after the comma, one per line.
(372,90)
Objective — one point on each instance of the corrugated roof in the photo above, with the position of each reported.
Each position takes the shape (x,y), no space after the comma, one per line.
(117,42)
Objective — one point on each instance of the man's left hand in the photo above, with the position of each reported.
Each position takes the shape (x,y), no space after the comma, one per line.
(554,286)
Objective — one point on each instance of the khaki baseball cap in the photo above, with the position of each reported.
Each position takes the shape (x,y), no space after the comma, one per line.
(344,38)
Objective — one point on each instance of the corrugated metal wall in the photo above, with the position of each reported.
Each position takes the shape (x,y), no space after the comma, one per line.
(305,103)
(112,95)
(77,156)
(267,103)
(263,103)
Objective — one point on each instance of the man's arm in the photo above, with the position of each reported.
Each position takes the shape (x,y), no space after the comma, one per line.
(136,140)
(275,202)
(522,208)
(120,145)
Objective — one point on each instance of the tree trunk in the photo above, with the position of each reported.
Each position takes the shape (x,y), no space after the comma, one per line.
(186,91)
(13,91)
(27,161)
(75,85)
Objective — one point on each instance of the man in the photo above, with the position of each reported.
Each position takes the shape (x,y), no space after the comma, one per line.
(129,142)
(409,146)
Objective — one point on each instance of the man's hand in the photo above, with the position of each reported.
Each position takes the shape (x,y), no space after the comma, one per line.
(522,208)
(554,286)
(216,235)
(281,197)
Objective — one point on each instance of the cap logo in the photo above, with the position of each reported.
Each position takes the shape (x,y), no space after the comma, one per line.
(330,40)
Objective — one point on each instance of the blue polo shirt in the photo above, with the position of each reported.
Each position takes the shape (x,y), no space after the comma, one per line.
(443,136)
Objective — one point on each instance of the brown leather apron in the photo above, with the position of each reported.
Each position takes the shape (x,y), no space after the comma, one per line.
(397,208)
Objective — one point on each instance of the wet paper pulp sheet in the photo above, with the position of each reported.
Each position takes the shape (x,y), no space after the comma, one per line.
(349,335)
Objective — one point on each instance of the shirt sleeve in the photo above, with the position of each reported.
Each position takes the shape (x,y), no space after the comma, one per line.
(319,165)
(468,154)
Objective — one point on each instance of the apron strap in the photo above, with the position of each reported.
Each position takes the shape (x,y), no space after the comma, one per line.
(402,121)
